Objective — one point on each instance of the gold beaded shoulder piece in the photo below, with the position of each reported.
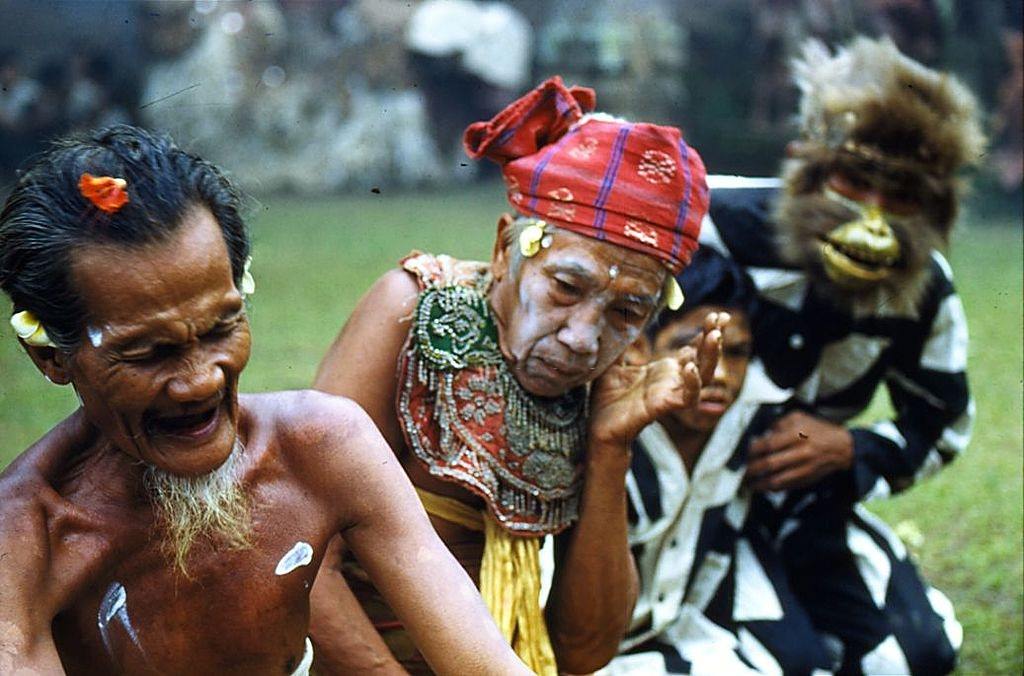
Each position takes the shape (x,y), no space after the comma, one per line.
(468,420)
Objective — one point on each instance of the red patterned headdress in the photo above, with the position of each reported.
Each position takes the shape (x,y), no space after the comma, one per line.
(636,185)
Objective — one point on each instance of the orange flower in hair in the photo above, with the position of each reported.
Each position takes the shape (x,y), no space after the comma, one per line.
(106,193)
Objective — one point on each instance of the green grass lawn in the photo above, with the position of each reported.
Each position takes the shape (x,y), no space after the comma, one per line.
(314,258)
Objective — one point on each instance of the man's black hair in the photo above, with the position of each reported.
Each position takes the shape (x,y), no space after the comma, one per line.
(711,279)
(46,217)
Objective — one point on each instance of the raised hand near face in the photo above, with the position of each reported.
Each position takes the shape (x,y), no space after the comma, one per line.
(628,397)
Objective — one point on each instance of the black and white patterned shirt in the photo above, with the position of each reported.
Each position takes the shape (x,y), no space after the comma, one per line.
(675,516)
(835,359)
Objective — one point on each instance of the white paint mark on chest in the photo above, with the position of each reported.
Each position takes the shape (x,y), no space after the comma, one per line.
(114,607)
(299,555)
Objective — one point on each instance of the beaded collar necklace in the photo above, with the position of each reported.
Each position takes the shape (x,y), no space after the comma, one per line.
(468,420)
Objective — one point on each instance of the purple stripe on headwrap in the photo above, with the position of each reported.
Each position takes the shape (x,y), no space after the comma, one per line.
(561,105)
(511,131)
(609,179)
(539,169)
(684,206)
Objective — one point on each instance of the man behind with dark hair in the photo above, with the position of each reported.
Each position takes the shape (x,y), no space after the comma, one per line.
(700,609)
(172,525)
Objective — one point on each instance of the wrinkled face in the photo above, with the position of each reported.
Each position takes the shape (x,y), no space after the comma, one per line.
(718,395)
(571,310)
(858,232)
(167,338)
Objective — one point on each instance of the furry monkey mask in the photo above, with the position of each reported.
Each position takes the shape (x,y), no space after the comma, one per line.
(893,134)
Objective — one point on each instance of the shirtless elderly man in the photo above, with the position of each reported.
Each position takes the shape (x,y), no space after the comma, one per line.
(171,525)
(480,375)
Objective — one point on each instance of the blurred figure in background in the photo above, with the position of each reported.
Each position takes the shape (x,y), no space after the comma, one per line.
(854,293)
(18,97)
(634,53)
(1008,131)
(468,58)
(95,95)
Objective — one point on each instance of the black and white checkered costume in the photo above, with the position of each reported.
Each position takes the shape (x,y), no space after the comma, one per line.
(807,581)
(836,360)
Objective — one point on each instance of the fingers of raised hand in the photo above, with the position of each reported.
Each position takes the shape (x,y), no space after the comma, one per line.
(672,384)
(716,320)
(691,385)
(686,354)
(710,321)
(709,354)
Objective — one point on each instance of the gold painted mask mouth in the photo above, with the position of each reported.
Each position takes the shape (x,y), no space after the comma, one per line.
(860,252)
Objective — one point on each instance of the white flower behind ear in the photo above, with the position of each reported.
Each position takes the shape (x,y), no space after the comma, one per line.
(248,285)
(30,329)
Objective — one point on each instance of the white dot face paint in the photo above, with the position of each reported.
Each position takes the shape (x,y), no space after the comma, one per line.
(613,271)
(296,557)
(95,336)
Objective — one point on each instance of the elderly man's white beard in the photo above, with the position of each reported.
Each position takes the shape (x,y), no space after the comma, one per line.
(211,505)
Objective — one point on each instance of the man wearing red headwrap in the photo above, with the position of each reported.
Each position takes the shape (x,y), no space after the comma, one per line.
(501,389)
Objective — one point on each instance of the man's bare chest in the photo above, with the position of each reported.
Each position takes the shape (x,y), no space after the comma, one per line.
(234,611)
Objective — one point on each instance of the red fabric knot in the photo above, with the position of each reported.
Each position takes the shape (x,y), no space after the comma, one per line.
(636,185)
(529,123)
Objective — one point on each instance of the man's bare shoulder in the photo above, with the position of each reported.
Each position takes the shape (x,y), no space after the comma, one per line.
(33,475)
(362,361)
(47,545)
(388,304)
(314,428)
(329,444)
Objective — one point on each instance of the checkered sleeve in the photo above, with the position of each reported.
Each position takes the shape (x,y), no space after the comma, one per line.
(927,385)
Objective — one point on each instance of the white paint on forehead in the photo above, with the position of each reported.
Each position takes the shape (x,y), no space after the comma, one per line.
(591,267)
(95,336)
(299,555)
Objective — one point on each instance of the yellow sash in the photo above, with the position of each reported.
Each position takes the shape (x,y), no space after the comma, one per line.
(509,580)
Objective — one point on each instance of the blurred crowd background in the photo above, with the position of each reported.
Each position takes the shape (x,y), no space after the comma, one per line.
(336,95)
